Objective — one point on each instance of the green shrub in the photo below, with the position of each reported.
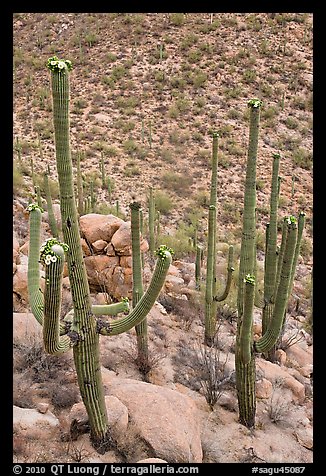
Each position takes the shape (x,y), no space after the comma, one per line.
(302,158)
(163,202)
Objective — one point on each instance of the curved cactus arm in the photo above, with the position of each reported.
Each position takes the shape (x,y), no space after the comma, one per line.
(266,342)
(230,270)
(246,326)
(111,309)
(102,309)
(36,298)
(53,343)
(146,302)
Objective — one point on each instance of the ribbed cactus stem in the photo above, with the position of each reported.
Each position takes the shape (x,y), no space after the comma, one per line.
(86,349)
(32,172)
(266,342)
(53,342)
(247,256)
(151,221)
(102,170)
(80,192)
(246,326)
(38,195)
(137,286)
(245,372)
(144,305)
(52,220)
(199,251)
(103,310)
(210,319)
(36,298)
(224,294)
(271,247)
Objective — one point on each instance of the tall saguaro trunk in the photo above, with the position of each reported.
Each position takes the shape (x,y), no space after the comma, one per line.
(245,370)
(86,348)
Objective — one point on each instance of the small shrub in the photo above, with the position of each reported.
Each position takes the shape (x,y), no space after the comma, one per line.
(177,19)
(302,158)
(163,203)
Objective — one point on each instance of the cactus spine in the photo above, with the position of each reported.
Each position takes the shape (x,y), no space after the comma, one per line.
(83,331)
(211,297)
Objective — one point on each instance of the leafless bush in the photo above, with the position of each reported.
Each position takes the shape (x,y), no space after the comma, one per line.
(185,310)
(212,373)
(277,407)
(64,395)
(294,338)
(155,356)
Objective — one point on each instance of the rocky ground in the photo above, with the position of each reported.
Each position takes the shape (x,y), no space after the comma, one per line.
(146,91)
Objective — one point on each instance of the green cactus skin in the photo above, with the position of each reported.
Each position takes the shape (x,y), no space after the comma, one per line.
(38,195)
(224,294)
(52,220)
(53,342)
(151,221)
(86,348)
(81,329)
(249,214)
(269,338)
(246,334)
(210,323)
(199,252)
(211,297)
(32,172)
(80,192)
(137,288)
(36,298)
(245,371)
(271,248)
(102,170)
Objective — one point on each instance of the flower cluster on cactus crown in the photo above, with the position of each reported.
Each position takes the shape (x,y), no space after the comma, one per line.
(56,65)
(161,251)
(255,103)
(291,220)
(34,206)
(47,255)
(250,279)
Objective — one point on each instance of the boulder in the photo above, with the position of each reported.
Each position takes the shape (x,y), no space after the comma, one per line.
(151,460)
(121,240)
(95,226)
(167,420)
(32,423)
(26,327)
(99,245)
(117,415)
(273,371)
(100,269)
(264,388)
(305,437)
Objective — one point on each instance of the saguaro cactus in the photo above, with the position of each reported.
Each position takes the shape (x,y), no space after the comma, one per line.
(279,270)
(82,329)
(211,297)
(151,221)
(245,370)
(137,287)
